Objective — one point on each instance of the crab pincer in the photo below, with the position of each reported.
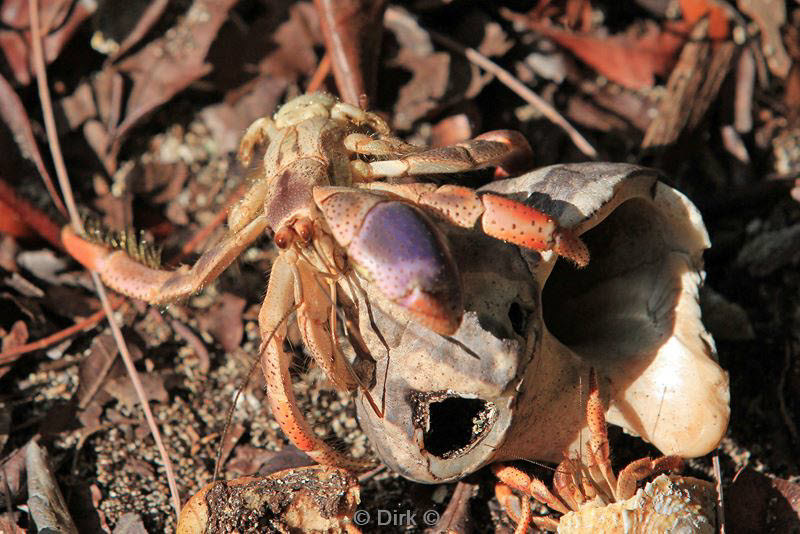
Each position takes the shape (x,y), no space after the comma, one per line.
(398,247)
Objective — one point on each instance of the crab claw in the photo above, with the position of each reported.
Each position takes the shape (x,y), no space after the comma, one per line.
(396,246)
(519,157)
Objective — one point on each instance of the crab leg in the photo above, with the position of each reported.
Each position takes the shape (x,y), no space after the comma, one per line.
(528,485)
(157,286)
(499,217)
(281,296)
(622,486)
(503,148)
(313,317)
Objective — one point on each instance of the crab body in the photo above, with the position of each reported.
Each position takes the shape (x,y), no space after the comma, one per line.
(592,498)
(317,189)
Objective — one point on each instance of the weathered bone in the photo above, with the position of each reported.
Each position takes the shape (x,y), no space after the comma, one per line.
(512,381)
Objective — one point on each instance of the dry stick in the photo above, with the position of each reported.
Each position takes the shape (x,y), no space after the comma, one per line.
(720,499)
(513,83)
(66,190)
(12,354)
(321,74)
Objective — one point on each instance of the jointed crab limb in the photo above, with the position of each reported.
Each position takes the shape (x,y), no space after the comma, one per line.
(313,318)
(156,286)
(579,487)
(528,485)
(622,486)
(497,216)
(275,365)
(523,517)
(467,156)
(256,134)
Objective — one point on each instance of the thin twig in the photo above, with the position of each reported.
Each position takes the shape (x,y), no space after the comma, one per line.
(12,354)
(320,75)
(69,200)
(788,419)
(513,83)
(720,499)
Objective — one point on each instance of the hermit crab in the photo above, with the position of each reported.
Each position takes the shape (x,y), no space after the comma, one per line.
(511,382)
(319,191)
(593,498)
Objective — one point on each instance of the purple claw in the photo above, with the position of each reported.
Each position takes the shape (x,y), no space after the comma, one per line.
(402,251)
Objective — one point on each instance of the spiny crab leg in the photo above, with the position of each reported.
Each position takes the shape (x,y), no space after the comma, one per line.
(156,286)
(528,485)
(281,296)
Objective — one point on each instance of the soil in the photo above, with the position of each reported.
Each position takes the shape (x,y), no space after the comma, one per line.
(175,170)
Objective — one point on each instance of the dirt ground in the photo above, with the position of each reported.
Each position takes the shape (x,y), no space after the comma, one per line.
(150,102)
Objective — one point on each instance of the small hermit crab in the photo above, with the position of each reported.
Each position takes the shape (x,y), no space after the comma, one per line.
(593,499)
(318,191)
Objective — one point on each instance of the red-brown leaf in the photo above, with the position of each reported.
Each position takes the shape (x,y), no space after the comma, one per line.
(168,65)
(632,59)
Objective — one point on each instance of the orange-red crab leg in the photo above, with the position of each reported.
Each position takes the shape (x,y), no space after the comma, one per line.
(523,519)
(513,478)
(623,486)
(498,216)
(156,286)
(282,293)
(528,485)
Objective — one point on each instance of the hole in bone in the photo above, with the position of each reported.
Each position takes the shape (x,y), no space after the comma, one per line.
(518,317)
(451,424)
(622,304)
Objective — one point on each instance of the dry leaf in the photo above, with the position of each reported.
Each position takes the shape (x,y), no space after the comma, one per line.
(130,523)
(122,389)
(63,17)
(692,86)
(451,130)
(249,460)
(13,113)
(241,107)
(632,59)
(224,321)
(694,10)
(93,370)
(769,251)
(45,501)
(758,503)
(456,517)
(168,65)
(13,470)
(16,337)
